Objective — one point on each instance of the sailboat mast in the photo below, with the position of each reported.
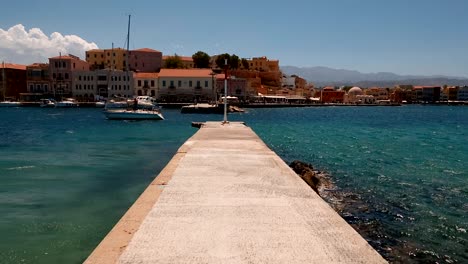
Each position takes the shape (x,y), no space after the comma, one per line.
(128,39)
(128,51)
(3,80)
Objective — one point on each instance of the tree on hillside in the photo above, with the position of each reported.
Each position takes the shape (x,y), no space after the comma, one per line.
(201,60)
(245,63)
(174,62)
(234,61)
(220,60)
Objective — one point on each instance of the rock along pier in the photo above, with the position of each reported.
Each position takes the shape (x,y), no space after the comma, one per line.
(225,197)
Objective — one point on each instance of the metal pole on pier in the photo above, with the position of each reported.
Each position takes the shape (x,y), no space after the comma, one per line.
(225,91)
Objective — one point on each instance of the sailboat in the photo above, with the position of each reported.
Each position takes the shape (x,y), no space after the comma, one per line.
(6,103)
(135,112)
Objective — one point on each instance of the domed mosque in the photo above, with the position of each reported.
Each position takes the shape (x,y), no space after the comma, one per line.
(353,93)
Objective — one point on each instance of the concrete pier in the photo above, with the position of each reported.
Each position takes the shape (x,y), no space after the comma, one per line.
(225,197)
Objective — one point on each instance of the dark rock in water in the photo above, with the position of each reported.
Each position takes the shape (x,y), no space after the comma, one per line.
(307,173)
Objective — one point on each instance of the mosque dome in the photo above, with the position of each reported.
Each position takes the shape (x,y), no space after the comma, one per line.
(355,91)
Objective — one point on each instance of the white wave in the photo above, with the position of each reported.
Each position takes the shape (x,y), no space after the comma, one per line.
(21,168)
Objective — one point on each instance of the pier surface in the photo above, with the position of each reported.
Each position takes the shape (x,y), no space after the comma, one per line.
(225,197)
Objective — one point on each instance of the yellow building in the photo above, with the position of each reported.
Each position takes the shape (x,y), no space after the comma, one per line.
(107,58)
(263,64)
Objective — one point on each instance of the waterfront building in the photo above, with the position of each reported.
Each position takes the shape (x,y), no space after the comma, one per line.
(186,85)
(61,69)
(90,85)
(431,93)
(417,94)
(37,82)
(330,95)
(235,87)
(263,64)
(452,93)
(378,93)
(462,93)
(352,95)
(146,83)
(107,59)
(365,99)
(12,81)
(145,60)
(140,60)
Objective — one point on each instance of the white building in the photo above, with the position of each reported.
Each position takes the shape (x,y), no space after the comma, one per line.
(186,85)
(146,83)
(86,85)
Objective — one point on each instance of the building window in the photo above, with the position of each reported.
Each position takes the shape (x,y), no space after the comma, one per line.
(190,83)
(66,76)
(198,83)
(172,83)
(152,83)
(139,83)
(153,93)
(73,65)
(179,83)
(146,83)
(31,88)
(206,83)
(164,83)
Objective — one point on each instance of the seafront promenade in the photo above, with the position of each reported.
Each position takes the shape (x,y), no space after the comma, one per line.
(225,197)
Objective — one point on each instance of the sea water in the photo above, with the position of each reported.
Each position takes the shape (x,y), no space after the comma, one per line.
(68,175)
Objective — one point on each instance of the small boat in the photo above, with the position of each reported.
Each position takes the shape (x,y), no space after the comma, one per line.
(117,104)
(100,104)
(46,103)
(10,104)
(67,103)
(139,114)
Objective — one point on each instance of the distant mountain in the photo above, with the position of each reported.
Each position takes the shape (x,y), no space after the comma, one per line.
(327,76)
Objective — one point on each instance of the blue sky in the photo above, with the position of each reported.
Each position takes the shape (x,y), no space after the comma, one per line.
(406,37)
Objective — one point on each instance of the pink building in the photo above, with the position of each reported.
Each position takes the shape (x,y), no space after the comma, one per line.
(235,86)
(145,60)
(60,72)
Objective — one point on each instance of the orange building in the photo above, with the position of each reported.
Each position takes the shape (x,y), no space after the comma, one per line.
(330,95)
(12,80)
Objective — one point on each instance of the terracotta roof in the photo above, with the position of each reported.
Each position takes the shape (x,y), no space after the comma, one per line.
(145,75)
(183,58)
(147,50)
(13,66)
(95,50)
(63,57)
(421,87)
(185,73)
(38,65)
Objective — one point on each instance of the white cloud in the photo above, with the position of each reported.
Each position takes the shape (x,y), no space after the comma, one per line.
(25,47)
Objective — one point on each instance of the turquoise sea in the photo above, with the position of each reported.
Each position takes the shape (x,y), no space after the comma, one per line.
(68,175)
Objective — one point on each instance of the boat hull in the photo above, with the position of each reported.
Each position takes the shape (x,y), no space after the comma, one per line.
(10,104)
(133,115)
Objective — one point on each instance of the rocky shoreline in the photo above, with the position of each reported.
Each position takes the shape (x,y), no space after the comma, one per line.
(365,218)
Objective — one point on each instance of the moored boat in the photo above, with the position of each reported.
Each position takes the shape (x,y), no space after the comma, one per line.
(10,104)
(67,103)
(47,103)
(139,114)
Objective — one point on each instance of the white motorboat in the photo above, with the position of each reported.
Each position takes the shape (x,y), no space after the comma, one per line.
(67,103)
(118,104)
(47,103)
(139,114)
(9,104)
(100,104)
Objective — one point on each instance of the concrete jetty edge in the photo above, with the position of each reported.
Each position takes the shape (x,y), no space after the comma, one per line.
(115,242)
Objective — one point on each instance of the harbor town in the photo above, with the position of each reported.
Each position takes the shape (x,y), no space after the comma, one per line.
(179,80)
